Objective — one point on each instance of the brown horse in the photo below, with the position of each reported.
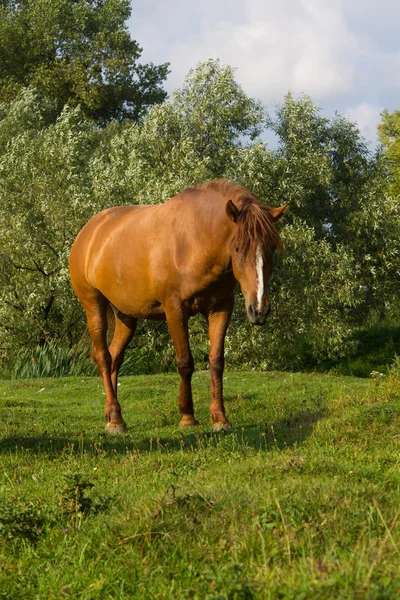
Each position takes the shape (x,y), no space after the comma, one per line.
(170,261)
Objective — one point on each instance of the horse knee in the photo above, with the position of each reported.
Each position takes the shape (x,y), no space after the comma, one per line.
(217,364)
(186,367)
(102,358)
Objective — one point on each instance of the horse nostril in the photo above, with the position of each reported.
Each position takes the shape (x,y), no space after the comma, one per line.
(252,310)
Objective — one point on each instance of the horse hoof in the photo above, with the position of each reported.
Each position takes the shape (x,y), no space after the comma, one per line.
(222,426)
(116,428)
(188,422)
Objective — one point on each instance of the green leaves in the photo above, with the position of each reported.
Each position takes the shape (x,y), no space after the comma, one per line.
(342,259)
(45,196)
(389,133)
(79,53)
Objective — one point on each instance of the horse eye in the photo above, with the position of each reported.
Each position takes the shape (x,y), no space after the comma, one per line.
(237,249)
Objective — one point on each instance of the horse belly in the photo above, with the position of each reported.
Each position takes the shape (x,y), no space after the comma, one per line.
(132,300)
(145,310)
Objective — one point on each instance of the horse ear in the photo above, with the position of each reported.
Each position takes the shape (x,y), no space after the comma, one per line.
(276,213)
(232,211)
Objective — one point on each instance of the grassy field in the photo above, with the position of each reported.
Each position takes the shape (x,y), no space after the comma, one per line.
(301,500)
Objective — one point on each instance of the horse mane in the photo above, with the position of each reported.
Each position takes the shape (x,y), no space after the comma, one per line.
(254,225)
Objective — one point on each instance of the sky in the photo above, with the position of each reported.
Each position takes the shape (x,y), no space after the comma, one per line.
(344,54)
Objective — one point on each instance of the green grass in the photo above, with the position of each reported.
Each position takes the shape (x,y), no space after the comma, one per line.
(301,500)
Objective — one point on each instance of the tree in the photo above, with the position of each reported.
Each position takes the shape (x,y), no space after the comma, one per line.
(340,219)
(77,52)
(210,128)
(193,137)
(389,134)
(342,240)
(340,189)
(45,192)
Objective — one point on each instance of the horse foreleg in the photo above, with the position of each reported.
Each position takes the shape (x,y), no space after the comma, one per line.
(177,322)
(124,331)
(218,321)
(97,323)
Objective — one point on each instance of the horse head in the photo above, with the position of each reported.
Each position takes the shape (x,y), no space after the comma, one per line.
(252,246)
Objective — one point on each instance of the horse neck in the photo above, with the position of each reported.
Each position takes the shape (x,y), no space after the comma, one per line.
(214,227)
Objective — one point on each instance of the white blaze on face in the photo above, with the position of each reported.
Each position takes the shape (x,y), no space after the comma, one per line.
(260,277)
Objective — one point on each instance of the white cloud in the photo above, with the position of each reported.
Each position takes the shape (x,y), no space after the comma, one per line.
(276,46)
(367,118)
(303,46)
(340,52)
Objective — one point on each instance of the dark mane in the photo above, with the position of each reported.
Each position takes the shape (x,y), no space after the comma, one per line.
(254,225)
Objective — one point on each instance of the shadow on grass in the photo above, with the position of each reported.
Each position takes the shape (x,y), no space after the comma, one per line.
(293,430)
(287,432)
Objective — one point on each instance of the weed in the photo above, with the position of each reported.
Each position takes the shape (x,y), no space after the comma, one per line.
(52,360)
(20,520)
(230,582)
(75,500)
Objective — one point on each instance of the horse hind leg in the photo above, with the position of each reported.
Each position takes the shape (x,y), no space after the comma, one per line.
(96,311)
(178,327)
(124,331)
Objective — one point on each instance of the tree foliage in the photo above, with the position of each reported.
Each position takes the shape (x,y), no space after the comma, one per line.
(77,52)
(341,237)
(45,191)
(389,133)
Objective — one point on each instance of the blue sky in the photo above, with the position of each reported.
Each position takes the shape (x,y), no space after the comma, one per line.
(345,54)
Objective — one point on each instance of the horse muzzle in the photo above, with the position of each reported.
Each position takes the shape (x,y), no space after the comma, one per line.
(257,316)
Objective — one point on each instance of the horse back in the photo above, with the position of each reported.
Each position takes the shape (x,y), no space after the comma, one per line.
(139,256)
